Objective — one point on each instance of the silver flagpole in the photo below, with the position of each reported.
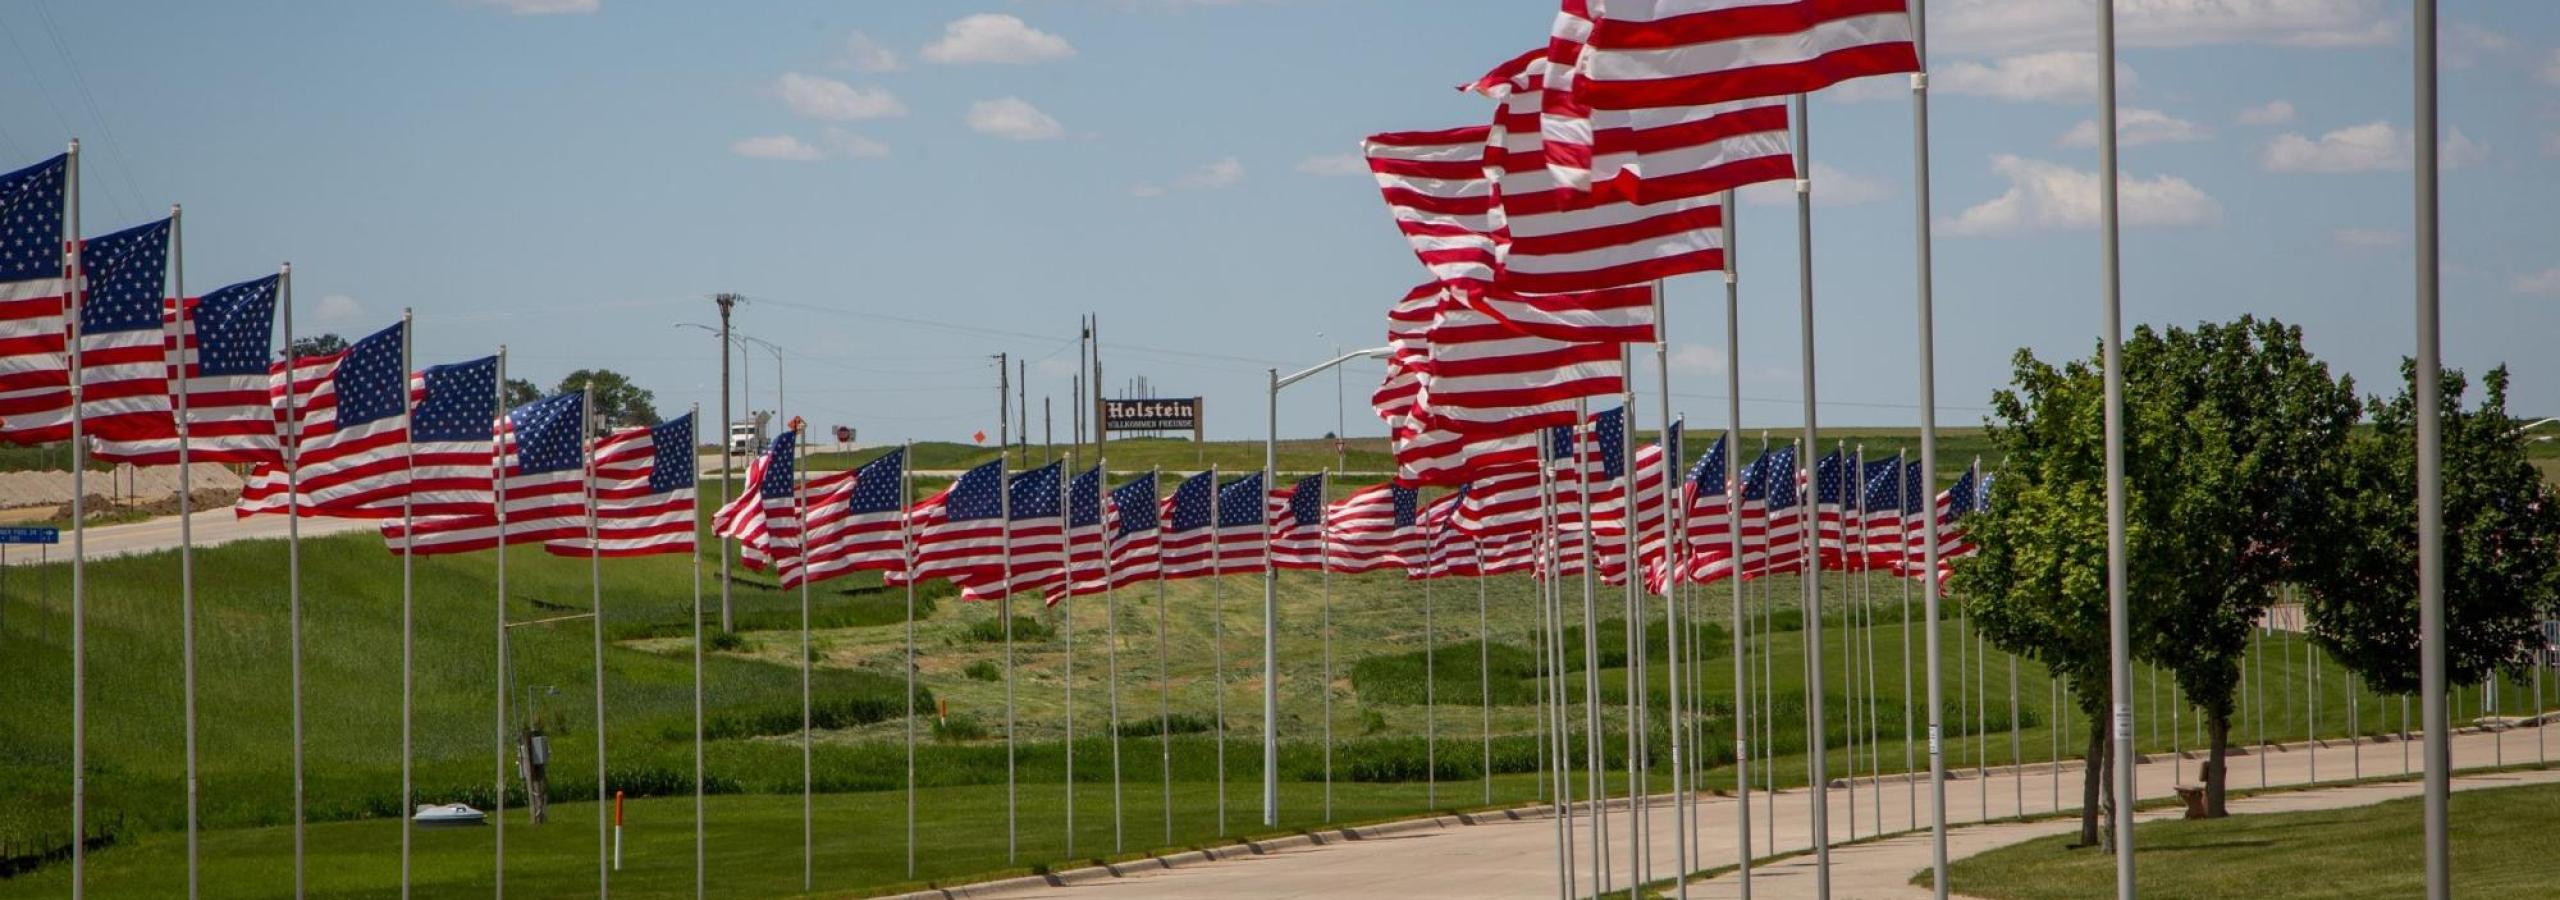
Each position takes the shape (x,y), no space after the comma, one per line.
(2430,426)
(2119,626)
(587,421)
(700,869)
(498,491)
(1218,645)
(1814,745)
(1925,289)
(1672,546)
(1324,532)
(800,548)
(1733,546)
(1067,545)
(72,286)
(907,561)
(1164,678)
(1430,678)
(1484,677)
(1639,807)
(1598,775)
(1901,556)
(1111,608)
(1004,608)
(1560,727)
(408,595)
(1271,619)
(186,545)
(290,451)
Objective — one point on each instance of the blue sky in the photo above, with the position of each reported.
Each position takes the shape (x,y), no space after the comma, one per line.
(903,189)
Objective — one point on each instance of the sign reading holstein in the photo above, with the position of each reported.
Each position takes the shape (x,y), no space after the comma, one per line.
(1160,414)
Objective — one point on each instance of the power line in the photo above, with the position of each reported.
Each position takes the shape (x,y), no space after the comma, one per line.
(124,167)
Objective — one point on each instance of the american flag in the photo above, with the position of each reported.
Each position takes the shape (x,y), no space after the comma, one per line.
(1880,537)
(1771,537)
(1436,191)
(223,342)
(1833,495)
(1654,54)
(1426,453)
(454,441)
(1593,475)
(1037,537)
(1506,502)
(1189,533)
(353,436)
(1244,526)
(124,368)
(1652,154)
(857,523)
(645,492)
(959,533)
(1788,537)
(1087,536)
(1507,554)
(1446,551)
(1709,520)
(1914,521)
(742,518)
(1374,529)
(542,447)
(35,287)
(1134,522)
(1297,525)
(1952,505)
(1486,379)
(777,493)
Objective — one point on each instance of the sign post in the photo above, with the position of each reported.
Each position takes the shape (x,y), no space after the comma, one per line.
(1158,414)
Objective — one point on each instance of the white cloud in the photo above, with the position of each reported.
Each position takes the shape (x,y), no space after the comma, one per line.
(848,144)
(2370,147)
(862,54)
(1013,119)
(2275,112)
(1831,187)
(2551,69)
(1224,173)
(776,146)
(2369,238)
(2464,45)
(2545,283)
(545,7)
(2045,195)
(827,99)
(2136,127)
(2061,76)
(1334,164)
(2013,26)
(995,38)
(338,308)
(1697,359)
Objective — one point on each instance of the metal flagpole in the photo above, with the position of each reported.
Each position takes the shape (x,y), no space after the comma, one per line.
(186,544)
(498,491)
(2430,426)
(1325,537)
(1430,678)
(408,593)
(1552,698)
(587,421)
(1925,287)
(1067,620)
(1672,546)
(1733,547)
(700,857)
(1164,677)
(1638,788)
(1910,762)
(1004,607)
(1815,751)
(907,563)
(1591,654)
(72,286)
(1111,608)
(728,466)
(1218,644)
(2119,626)
(800,548)
(291,452)
(1484,678)
(1271,620)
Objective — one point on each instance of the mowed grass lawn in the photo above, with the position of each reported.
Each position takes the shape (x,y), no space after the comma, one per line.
(2501,848)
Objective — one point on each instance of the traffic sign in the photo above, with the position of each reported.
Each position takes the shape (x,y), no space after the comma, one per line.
(30,535)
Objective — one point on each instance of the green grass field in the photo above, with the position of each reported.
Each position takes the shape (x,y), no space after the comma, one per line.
(2501,840)
(353,705)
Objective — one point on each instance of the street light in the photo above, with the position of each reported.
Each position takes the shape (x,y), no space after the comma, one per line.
(2537,423)
(1341,435)
(1271,587)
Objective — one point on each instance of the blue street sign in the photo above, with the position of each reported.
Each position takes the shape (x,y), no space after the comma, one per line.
(30,535)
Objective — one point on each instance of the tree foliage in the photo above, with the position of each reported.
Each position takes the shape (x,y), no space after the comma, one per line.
(2501,543)
(318,345)
(619,403)
(520,392)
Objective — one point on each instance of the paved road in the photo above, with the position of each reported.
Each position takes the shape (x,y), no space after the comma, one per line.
(213,527)
(1518,858)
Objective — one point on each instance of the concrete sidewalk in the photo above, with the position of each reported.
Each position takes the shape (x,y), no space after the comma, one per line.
(1506,857)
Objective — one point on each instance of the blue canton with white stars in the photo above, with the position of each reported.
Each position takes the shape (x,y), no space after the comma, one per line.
(671,455)
(1960,495)
(1610,433)
(781,460)
(1136,504)
(1191,504)
(1306,502)
(1671,446)
(1708,474)
(1828,483)
(875,487)
(127,274)
(369,383)
(31,210)
(234,327)
(974,495)
(1240,502)
(1408,503)
(1035,493)
(547,432)
(1912,502)
(461,402)
(1884,492)
(1084,499)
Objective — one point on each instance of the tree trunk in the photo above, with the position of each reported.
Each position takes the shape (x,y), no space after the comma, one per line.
(2217,767)
(2108,799)
(2093,771)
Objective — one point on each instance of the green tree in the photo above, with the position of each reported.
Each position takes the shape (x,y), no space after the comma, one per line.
(2501,544)
(2233,433)
(619,403)
(318,345)
(520,392)
(2038,586)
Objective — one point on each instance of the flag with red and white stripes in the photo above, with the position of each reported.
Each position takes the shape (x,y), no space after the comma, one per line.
(1654,54)
(124,363)
(960,533)
(352,433)
(1446,551)
(857,522)
(1244,527)
(541,448)
(1948,508)
(1088,536)
(1651,153)
(1507,554)
(1511,501)
(1036,538)
(1437,193)
(1879,531)
(222,343)
(1374,529)
(1297,525)
(1707,525)
(1486,379)
(1835,506)
(35,292)
(1134,524)
(1189,535)
(645,492)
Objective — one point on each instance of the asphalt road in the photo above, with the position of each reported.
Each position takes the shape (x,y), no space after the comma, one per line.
(213,527)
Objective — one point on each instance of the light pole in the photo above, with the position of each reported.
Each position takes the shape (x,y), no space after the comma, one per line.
(727,463)
(1271,587)
(1341,430)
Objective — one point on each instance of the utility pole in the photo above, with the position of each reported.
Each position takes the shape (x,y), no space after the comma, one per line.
(1004,409)
(1093,330)
(728,465)
(1022,408)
